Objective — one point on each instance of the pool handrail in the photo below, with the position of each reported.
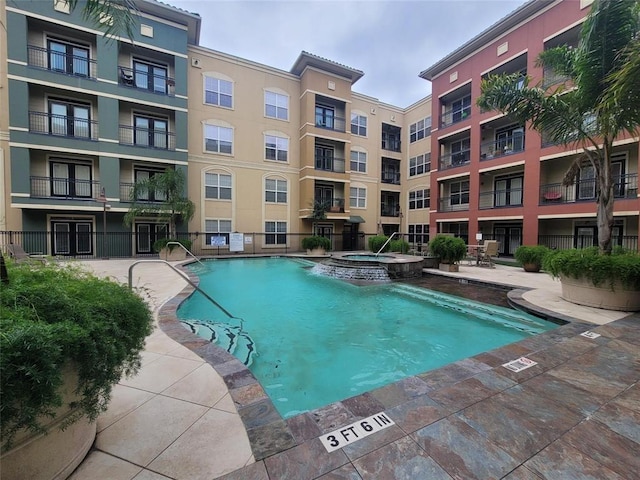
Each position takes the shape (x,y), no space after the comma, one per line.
(187,279)
(186,250)
(385,243)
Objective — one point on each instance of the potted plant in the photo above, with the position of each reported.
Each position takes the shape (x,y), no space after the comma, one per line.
(316,245)
(168,249)
(595,280)
(449,250)
(67,338)
(531,256)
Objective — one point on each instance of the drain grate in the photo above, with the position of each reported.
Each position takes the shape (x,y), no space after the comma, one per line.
(520,364)
(590,334)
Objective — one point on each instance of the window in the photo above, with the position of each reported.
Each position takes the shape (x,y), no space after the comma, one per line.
(276,105)
(357,197)
(217,232)
(217,186)
(460,193)
(276,148)
(460,151)
(325,116)
(276,233)
(358,161)
(150,132)
(150,77)
(324,158)
(65,57)
(508,191)
(358,125)
(68,119)
(419,199)
(275,190)
(419,130)
(70,180)
(218,92)
(151,196)
(460,109)
(218,139)
(419,234)
(420,164)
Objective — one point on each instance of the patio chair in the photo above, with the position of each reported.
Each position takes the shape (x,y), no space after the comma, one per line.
(488,253)
(19,255)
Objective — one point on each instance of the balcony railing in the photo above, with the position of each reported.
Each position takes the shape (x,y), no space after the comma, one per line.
(67,188)
(391,143)
(143,80)
(147,138)
(501,199)
(391,177)
(504,146)
(334,205)
(61,62)
(564,242)
(329,163)
(127,188)
(63,126)
(455,159)
(550,77)
(454,203)
(625,186)
(449,117)
(336,124)
(390,210)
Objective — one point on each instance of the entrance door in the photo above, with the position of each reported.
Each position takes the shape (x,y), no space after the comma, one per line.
(324,230)
(509,239)
(71,238)
(350,236)
(147,234)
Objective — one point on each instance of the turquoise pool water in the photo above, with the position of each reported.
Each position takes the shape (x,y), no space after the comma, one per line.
(313,340)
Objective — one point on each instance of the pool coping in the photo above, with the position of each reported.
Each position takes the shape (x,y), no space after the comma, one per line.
(269,434)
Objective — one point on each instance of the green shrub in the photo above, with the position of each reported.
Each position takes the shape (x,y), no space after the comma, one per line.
(531,254)
(401,246)
(588,263)
(448,249)
(376,242)
(317,241)
(51,317)
(162,243)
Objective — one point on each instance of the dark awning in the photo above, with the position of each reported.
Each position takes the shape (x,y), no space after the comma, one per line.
(355,219)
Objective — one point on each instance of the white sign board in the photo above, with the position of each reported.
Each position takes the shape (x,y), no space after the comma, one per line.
(236,242)
(354,432)
(218,241)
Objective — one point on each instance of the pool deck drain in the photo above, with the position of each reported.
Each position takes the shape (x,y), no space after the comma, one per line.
(576,412)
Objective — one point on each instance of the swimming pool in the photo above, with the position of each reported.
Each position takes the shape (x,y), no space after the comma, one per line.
(312,340)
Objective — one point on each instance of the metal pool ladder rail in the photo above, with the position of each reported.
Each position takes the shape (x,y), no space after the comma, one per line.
(385,243)
(186,250)
(186,279)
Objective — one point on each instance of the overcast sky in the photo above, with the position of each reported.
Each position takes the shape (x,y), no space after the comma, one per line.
(390,41)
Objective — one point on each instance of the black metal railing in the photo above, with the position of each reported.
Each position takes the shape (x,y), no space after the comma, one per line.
(563,242)
(625,186)
(390,210)
(63,126)
(511,197)
(65,188)
(334,205)
(451,116)
(391,143)
(501,147)
(126,190)
(147,138)
(337,124)
(455,159)
(454,203)
(144,80)
(391,176)
(329,163)
(61,62)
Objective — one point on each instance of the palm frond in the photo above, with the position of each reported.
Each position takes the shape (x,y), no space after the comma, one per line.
(113,17)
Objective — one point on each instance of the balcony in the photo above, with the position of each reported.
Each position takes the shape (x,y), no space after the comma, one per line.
(64,188)
(127,188)
(390,210)
(60,62)
(63,126)
(391,143)
(144,80)
(336,124)
(625,186)
(147,138)
(329,163)
(502,146)
(455,115)
(455,159)
(391,177)
(501,199)
(454,203)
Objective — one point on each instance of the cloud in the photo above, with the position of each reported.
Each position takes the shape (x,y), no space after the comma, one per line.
(390,41)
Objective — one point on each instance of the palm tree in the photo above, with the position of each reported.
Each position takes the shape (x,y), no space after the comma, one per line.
(588,110)
(113,17)
(169,203)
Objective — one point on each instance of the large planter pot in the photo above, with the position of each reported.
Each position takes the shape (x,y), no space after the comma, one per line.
(430,262)
(56,454)
(531,267)
(582,292)
(176,254)
(449,267)
(316,252)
